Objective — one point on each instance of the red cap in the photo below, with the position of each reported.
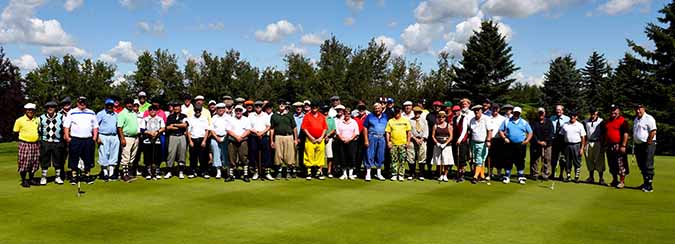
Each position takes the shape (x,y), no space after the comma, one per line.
(437,103)
(456,108)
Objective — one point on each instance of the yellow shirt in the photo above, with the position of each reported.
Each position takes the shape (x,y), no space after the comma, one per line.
(27,128)
(398,130)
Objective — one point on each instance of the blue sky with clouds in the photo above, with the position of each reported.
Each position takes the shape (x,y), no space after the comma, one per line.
(116,31)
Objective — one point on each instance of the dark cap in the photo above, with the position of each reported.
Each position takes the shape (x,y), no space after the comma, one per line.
(82,99)
(487,100)
(66,100)
(281,101)
(51,104)
(572,113)
(639,105)
(258,103)
(324,108)
(592,109)
(333,98)
(174,103)
(153,108)
(128,101)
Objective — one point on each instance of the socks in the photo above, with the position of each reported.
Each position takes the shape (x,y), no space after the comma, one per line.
(111,170)
(44,173)
(482,172)
(521,173)
(23,175)
(508,173)
(105,171)
(58,173)
(577,171)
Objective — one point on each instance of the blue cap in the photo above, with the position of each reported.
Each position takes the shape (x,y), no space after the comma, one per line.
(390,100)
(109,101)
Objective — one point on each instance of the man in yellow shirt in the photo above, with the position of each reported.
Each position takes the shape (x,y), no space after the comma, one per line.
(29,150)
(398,137)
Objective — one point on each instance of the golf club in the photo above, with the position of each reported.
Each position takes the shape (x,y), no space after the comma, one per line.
(80,168)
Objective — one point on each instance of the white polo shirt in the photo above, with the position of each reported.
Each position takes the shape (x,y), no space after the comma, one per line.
(642,127)
(495,124)
(198,126)
(259,121)
(220,124)
(239,126)
(479,128)
(81,122)
(573,132)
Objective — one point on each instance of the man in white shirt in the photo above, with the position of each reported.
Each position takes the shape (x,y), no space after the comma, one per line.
(480,140)
(574,134)
(644,137)
(408,110)
(240,128)
(220,123)
(417,149)
(259,142)
(187,108)
(197,132)
(80,129)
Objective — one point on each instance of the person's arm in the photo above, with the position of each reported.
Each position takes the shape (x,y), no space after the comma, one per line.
(583,145)
(295,136)
(433,137)
(651,125)
(624,138)
(488,137)
(387,137)
(94,133)
(365,137)
(189,136)
(408,135)
(272,138)
(206,137)
(464,131)
(528,131)
(450,129)
(309,136)
(120,135)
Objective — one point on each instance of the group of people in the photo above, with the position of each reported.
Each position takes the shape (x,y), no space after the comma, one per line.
(251,140)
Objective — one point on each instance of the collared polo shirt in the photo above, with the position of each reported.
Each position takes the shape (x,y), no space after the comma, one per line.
(152,124)
(420,128)
(220,124)
(298,120)
(283,124)
(573,132)
(240,126)
(330,122)
(374,124)
(259,121)
(176,118)
(51,128)
(516,129)
(479,128)
(81,122)
(615,129)
(347,129)
(642,127)
(128,121)
(315,125)
(107,122)
(27,128)
(198,126)
(144,107)
(160,113)
(398,130)
(189,111)
(496,123)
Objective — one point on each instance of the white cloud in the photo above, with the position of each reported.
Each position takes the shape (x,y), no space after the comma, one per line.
(614,7)
(166,4)
(128,3)
(292,49)
(61,51)
(397,50)
(276,31)
(392,24)
(524,8)
(419,37)
(528,79)
(25,62)
(216,26)
(156,28)
(71,5)
(349,21)
(433,11)
(355,5)
(19,25)
(123,52)
(313,39)
(456,41)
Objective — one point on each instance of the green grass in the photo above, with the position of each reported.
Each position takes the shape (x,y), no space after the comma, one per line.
(332,211)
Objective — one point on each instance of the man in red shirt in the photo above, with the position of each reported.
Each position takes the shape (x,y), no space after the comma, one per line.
(616,139)
(314,125)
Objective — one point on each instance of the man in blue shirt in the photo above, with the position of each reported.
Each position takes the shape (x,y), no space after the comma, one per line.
(516,133)
(108,142)
(559,145)
(373,127)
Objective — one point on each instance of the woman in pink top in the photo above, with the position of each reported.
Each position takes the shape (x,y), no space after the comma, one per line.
(347,130)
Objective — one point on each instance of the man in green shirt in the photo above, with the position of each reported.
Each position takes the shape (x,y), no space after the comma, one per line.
(127,129)
(283,139)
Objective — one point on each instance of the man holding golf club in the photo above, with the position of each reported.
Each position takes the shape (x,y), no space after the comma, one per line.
(152,127)
(80,130)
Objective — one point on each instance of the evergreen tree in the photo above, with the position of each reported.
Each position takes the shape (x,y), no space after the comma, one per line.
(300,78)
(11,96)
(486,65)
(596,73)
(165,71)
(562,83)
(440,83)
(332,68)
(144,79)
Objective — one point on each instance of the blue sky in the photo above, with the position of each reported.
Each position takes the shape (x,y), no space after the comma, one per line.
(116,31)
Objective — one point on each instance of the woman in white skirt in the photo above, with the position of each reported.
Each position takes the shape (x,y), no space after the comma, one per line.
(441,134)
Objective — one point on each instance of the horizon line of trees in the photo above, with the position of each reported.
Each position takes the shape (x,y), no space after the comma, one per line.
(485,70)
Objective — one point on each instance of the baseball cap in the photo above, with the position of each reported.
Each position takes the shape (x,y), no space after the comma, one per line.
(136,102)
(477,107)
(239,107)
(142,94)
(248,102)
(507,106)
(540,109)
(258,103)
(417,109)
(109,101)
(407,103)
(307,102)
(239,100)
(339,107)
(212,102)
(441,114)
(517,110)
(29,106)
(333,98)
(66,100)
(390,100)
(82,99)
(174,103)
(447,103)
(297,104)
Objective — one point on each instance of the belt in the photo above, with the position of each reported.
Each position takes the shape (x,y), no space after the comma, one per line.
(108,134)
(573,143)
(22,141)
(177,134)
(81,138)
(374,134)
(290,134)
(478,141)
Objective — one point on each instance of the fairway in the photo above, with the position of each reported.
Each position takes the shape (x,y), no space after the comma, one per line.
(333,211)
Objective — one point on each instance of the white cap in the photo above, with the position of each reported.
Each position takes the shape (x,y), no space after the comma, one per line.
(307,102)
(212,102)
(200,97)
(142,94)
(340,107)
(220,105)
(517,109)
(407,103)
(540,109)
(29,106)
(137,102)
(239,107)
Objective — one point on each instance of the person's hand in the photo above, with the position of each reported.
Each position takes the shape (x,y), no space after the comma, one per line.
(507,141)
(123,142)
(203,144)
(68,139)
(272,144)
(581,151)
(525,142)
(439,144)
(489,144)
(543,143)
(390,145)
(98,140)
(405,146)
(365,143)
(458,142)
(296,141)
(649,142)
(191,143)
(622,149)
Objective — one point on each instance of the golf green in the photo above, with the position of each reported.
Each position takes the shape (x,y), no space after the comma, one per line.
(334,211)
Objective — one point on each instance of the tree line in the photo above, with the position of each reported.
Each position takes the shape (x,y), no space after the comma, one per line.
(485,70)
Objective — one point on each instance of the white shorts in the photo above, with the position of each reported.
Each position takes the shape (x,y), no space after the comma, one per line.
(329,148)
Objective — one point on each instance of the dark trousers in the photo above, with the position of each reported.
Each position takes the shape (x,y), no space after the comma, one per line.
(152,154)
(52,153)
(496,153)
(558,151)
(617,161)
(199,156)
(259,150)
(516,156)
(460,153)
(81,148)
(572,157)
(360,153)
(347,152)
(644,155)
